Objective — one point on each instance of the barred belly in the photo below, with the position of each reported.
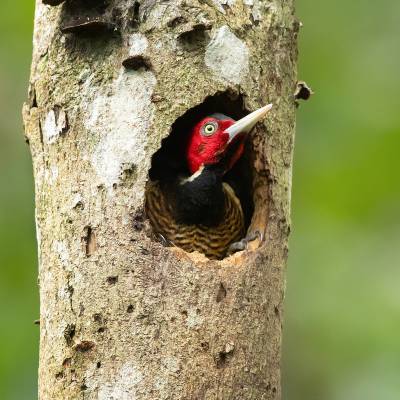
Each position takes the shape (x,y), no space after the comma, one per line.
(212,241)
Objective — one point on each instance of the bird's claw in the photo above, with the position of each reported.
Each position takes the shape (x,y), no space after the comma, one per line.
(163,240)
(242,244)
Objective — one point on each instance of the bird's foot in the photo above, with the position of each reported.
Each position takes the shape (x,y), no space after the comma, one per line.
(242,244)
(163,240)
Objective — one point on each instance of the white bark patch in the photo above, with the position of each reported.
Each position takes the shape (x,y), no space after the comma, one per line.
(44,32)
(171,364)
(61,249)
(64,293)
(256,10)
(227,56)
(157,16)
(229,347)
(47,175)
(124,386)
(51,174)
(54,126)
(193,319)
(137,44)
(121,119)
(38,237)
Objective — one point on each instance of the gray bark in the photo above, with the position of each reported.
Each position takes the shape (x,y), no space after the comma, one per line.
(121,316)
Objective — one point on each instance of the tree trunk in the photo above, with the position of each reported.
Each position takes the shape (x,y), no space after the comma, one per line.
(121,315)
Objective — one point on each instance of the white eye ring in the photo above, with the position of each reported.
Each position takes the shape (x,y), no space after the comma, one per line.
(209,128)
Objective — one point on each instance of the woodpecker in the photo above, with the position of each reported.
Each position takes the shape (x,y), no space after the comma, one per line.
(196,209)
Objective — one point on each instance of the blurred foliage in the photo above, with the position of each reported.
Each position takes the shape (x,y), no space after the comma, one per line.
(343,302)
(342,310)
(18,289)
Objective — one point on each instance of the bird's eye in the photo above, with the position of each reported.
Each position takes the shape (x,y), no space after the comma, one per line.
(209,128)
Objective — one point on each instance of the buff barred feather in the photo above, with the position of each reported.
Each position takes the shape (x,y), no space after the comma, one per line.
(212,241)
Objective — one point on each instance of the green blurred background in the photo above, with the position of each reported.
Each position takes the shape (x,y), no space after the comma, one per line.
(342,320)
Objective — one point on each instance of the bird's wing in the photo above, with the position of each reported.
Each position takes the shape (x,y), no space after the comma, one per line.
(213,241)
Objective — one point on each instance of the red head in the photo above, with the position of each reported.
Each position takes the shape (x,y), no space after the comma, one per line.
(212,136)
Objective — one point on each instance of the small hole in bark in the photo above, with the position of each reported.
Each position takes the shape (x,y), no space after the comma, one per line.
(221,359)
(134,11)
(176,21)
(225,355)
(89,18)
(130,309)
(88,27)
(221,293)
(98,365)
(32,96)
(137,62)
(205,346)
(248,179)
(77,6)
(84,346)
(144,251)
(77,206)
(59,375)
(112,280)
(138,220)
(83,387)
(128,174)
(67,362)
(98,318)
(101,329)
(90,241)
(52,2)
(69,333)
(195,39)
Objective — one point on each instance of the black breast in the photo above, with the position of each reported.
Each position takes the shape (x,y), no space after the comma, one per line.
(200,199)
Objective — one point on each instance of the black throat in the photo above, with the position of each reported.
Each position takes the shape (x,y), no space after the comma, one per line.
(200,199)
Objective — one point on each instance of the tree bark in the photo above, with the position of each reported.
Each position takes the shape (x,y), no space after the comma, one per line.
(122,316)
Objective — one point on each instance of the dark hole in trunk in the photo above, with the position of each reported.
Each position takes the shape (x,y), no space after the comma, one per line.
(169,160)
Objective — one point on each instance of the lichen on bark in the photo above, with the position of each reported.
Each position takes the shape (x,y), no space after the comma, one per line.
(121,316)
